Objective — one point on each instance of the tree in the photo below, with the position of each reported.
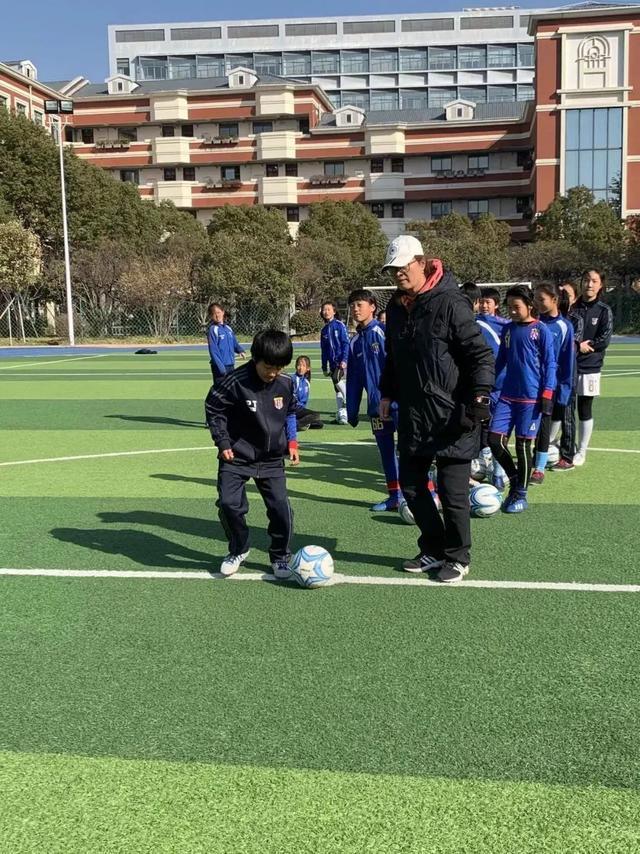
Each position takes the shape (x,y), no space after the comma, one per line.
(545,260)
(345,244)
(249,261)
(473,250)
(20,266)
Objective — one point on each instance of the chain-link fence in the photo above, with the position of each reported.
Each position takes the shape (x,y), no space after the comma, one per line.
(24,320)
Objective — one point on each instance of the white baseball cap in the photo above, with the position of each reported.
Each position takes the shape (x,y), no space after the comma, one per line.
(402,250)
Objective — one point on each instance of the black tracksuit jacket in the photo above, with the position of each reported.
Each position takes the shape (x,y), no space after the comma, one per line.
(437,362)
(597,320)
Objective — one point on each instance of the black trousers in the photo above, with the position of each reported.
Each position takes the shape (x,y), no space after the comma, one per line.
(215,373)
(451,538)
(568,429)
(308,418)
(233,504)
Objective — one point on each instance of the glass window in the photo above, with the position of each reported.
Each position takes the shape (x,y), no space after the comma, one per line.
(487,22)
(153,69)
(128,134)
(413,59)
(334,169)
(501,93)
(593,149)
(355,61)
(440,97)
(325,63)
(377,165)
(131,175)
(291,170)
(293,214)
(384,60)
(271,170)
(296,63)
(526,92)
(262,127)
(501,56)
(208,66)
(352,27)
(442,58)
(237,60)
(186,130)
(168,130)
(303,125)
(397,210)
(328,29)
(253,31)
(397,164)
(230,173)
(440,209)
(479,161)
(384,99)
(38,117)
(87,136)
(356,99)
(472,57)
(418,25)
(477,207)
(196,33)
(440,164)
(21,109)
(477,94)
(4,101)
(169,174)
(377,209)
(413,99)
(268,64)
(228,130)
(139,35)
(525,55)
(189,173)
(122,66)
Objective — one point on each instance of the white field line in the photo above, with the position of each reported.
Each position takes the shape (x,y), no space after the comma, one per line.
(314,447)
(620,373)
(52,362)
(378,581)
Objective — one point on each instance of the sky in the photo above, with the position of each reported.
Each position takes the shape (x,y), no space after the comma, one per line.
(66,39)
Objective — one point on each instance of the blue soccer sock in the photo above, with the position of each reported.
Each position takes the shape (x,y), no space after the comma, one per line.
(541,460)
(386,447)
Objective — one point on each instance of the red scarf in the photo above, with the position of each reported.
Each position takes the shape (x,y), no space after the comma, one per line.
(436,273)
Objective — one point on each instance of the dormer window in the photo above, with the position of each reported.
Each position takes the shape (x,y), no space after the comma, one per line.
(241,79)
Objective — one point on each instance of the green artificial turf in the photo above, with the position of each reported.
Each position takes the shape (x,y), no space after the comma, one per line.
(165,715)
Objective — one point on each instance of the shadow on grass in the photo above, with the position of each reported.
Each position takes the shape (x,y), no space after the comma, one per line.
(158,419)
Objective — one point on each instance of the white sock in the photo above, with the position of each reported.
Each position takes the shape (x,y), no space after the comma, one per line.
(341,395)
(585,429)
(555,429)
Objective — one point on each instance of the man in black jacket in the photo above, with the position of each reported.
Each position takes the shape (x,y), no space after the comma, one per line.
(440,371)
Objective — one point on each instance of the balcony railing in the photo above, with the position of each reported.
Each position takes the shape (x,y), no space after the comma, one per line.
(112,144)
(219,140)
(327,180)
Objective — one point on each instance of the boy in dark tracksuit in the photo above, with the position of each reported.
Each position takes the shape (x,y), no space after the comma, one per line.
(251,415)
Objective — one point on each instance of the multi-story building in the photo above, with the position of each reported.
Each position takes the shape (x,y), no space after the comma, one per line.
(246,138)
(383,62)
(21,91)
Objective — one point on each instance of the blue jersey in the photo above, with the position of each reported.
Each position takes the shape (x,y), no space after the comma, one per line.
(223,345)
(561,330)
(527,357)
(302,388)
(367,356)
(334,344)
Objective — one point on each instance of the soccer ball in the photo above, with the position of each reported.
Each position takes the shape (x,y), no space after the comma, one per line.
(485,500)
(554,455)
(312,567)
(479,469)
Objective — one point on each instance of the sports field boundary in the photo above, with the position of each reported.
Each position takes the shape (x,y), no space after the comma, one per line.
(369,580)
(315,446)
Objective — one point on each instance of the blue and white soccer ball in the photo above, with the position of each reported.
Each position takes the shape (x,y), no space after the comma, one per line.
(479,469)
(485,500)
(312,567)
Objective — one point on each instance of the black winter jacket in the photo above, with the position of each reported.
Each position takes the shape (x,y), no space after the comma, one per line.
(597,319)
(256,420)
(437,362)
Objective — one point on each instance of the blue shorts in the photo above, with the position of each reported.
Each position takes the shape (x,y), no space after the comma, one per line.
(523,417)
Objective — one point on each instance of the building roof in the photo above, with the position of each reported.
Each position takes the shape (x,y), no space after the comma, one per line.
(56,84)
(589,9)
(483,112)
(149,87)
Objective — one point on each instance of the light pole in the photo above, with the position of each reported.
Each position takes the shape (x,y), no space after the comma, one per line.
(58,108)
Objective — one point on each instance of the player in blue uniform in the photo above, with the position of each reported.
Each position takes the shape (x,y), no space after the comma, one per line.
(553,306)
(334,348)
(491,326)
(305,418)
(367,355)
(222,342)
(527,357)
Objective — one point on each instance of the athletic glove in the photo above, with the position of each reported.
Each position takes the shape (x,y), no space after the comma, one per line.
(546,405)
(478,410)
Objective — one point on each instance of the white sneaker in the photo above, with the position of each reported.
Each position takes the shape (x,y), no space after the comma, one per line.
(281,569)
(232,563)
(580,458)
(341,417)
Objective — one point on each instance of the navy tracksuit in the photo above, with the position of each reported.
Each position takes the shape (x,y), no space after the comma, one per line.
(257,421)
